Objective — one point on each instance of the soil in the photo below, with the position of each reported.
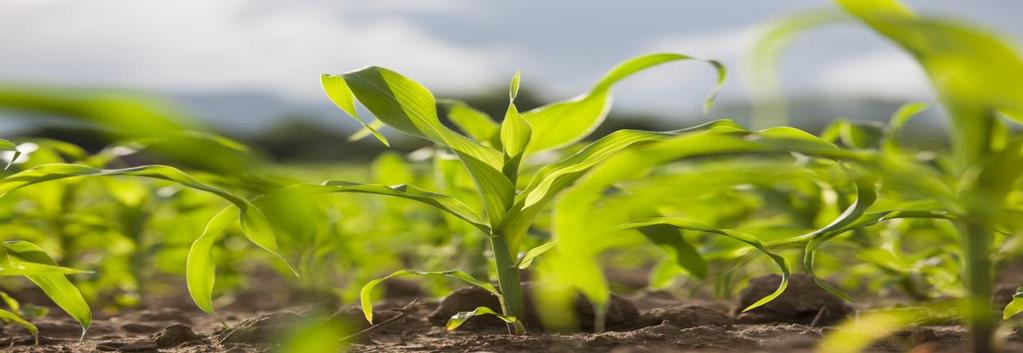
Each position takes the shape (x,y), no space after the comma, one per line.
(645,322)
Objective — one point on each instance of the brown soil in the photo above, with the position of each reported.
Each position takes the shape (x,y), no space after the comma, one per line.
(659,324)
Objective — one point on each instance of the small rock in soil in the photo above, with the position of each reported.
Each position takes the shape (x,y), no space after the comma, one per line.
(175,335)
(686,315)
(621,314)
(803,302)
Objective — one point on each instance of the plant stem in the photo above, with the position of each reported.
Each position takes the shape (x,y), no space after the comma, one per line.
(509,282)
(979,281)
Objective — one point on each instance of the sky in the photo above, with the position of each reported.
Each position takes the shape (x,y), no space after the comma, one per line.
(280,48)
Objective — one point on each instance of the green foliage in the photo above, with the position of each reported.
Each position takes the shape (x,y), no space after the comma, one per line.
(495,166)
(712,205)
(460,318)
(21,258)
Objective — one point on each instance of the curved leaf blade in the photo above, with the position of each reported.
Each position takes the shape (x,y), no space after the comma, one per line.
(200,267)
(56,286)
(461,317)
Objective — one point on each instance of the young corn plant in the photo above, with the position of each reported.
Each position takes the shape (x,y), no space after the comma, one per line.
(25,259)
(150,125)
(493,154)
(975,75)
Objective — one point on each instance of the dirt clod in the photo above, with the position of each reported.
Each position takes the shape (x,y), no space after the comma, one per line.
(175,335)
(804,302)
(686,315)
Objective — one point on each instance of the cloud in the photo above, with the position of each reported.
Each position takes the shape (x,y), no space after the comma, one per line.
(224,44)
(723,45)
(881,73)
(431,6)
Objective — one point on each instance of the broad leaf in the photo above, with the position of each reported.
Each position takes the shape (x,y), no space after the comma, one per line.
(460,318)
(474,123)
(515,134)
(683,253)
(973,71)
(254,223)
(407,106)
(339,93)
(200,267)
(1015,306)
(56,286)
(7,316)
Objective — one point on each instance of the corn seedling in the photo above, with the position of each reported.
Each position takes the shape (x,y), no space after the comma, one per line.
(492,154)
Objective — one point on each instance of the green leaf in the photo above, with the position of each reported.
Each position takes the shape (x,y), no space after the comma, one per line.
(339,93)
(750,240)
(390,168)
(684,254)
(407,106)
(563,123)
(893,132)
(862,135)
(254,223)
(8,316)
(664,272)
(17,267)
(515,134)
(1015,306)
(366,294)
(10,302)
(200,267)
(496,190)
(56,286)
(442,202)
(532,254)
(866,195)
(554,178)
(478,125)
(461,317)
(974,72)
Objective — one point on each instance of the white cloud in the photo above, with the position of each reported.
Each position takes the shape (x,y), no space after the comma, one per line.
(724,45)
(884,73)
(428,6)
(190,45)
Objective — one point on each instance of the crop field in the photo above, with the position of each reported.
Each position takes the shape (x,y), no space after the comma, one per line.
(527,231)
